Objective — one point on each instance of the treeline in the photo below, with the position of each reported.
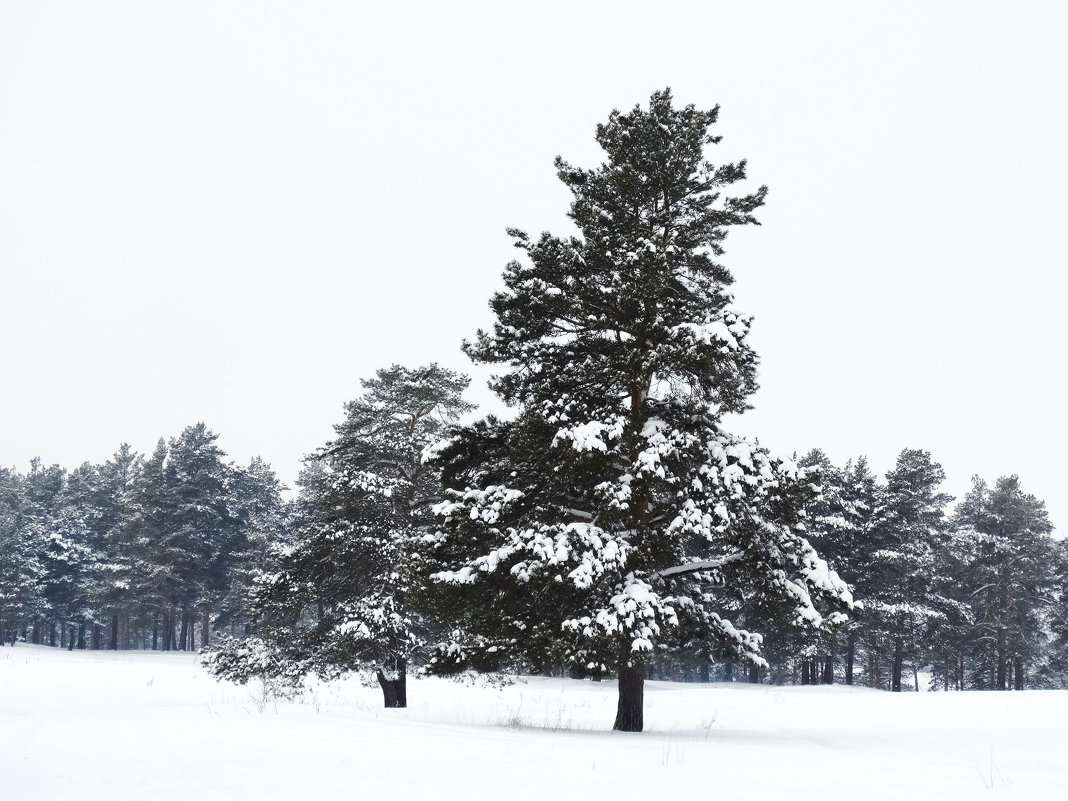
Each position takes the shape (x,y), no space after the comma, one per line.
(138,552)
(973,593)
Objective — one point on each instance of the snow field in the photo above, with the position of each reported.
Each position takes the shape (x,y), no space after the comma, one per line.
(95,725)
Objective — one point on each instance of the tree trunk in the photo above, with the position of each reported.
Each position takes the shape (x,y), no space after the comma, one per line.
(205,629)
(395,691)
(916,677)
(1003,659)
(71,639)
(703,672)
(81,636)
(630,707)
(851,653)
(155,629)
(185,631)
(805,680)
(828,669)
(1018,674)
(899,659)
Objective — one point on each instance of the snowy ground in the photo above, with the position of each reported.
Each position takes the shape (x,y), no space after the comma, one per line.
(88,725)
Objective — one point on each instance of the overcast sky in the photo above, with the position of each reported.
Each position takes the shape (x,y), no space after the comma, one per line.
(234,211)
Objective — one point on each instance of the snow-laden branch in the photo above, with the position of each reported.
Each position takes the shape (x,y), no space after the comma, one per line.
(697,567)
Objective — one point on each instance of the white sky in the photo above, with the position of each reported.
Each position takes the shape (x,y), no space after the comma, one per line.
(233,211)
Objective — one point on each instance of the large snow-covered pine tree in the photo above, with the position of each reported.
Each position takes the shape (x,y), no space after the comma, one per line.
(607,521)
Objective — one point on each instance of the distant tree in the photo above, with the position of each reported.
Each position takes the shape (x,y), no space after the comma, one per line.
(262,524)
(604,524)
(901,600)
(22,602)
(1011,578)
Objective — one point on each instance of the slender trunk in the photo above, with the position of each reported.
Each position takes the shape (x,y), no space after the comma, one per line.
(185,631)
(899,659)
(804,673)
(703,672)
(851,652)
(205,629)
(728,670)
(1018,674)
(1002,658)
(155,630)
(754,674)
(828,669)
(72,639)
(631,703)
(915,677)
(81,636)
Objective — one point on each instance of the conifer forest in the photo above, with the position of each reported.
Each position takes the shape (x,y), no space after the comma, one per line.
(608,527)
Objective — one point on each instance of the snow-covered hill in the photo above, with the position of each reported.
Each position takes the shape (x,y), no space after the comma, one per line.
(104,725)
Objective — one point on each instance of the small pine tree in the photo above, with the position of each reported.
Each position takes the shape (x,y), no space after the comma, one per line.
(340,598)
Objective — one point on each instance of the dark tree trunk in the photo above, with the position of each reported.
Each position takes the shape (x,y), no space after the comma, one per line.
(1018,674)
(754,674)
(185,631)
(851,653)
(71,638)
(1003,660)
(115,632)
(395,691)
(899,660)
(205,629)
(631,705)
(703,673)
(155,629)
(916,677)
(805,679)
(728,670)
(828,670)
(81,636)
(52,634)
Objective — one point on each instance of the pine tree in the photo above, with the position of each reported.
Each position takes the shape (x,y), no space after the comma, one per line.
(22,602)
(908,530)
(1011,579)
(340,598)
(607,521)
